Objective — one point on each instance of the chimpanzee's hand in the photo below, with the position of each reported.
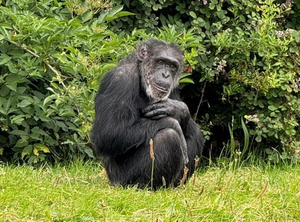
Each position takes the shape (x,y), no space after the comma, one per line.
(169,107)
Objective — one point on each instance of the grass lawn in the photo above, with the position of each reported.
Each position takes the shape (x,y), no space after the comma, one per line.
(80,192)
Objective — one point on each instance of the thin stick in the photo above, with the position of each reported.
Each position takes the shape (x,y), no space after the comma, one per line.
(201,100)
(263,190)
(231,207)
(197,161)
(153,158)
(184,177)
(201,191)
(194,179)
(152,171)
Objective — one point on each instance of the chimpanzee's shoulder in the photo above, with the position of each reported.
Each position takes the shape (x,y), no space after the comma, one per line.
(126,70)
(130,59)
(127,66)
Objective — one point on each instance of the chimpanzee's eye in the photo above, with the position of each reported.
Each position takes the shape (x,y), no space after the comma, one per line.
(160,61)
(173,67)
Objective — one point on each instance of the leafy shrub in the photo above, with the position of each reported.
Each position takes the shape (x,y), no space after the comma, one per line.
(52,56)
(248,65)
(264,75)
(243,57)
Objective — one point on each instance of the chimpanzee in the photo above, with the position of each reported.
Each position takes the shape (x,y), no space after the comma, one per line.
(138,101)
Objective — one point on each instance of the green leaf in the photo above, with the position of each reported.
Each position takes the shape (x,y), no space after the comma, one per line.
(4,32)
(87,16)
(40,147)
(39,131)
(12,81)
(246,137)
(183,75)
(186,80)
(68,112)
(89,152)
(24,103)
(232,141)
(4,58)
(6,106)
(21,143)
(272,108)
(18,132)
(49,98)
(115,10)
(118,15)
(26,151)
(258,138)
(17,119)
(193,14)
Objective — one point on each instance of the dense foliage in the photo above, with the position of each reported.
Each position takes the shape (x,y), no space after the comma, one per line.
(52,55)
(249,66)
(243,57)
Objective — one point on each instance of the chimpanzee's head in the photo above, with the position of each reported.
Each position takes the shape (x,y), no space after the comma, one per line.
(160,67)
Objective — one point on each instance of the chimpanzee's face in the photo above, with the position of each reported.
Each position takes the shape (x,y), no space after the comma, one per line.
(161,80)
(161,69)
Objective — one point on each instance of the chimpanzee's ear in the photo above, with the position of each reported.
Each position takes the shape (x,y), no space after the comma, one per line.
(143,52)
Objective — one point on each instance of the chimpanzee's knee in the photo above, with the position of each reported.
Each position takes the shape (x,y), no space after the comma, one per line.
(168,156)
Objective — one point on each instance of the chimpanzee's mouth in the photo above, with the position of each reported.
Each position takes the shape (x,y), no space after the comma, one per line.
(161,88)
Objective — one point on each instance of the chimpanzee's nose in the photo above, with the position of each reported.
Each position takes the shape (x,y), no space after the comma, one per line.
(166,75)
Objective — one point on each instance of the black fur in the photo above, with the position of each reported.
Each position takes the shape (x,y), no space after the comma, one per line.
(127,117)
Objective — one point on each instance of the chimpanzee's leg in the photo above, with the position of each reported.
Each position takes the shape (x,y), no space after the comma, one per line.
(135,166)
(195,143)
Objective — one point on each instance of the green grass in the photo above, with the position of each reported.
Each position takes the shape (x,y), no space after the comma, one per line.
(80,192)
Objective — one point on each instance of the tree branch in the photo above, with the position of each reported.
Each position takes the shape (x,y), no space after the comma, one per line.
(37,56)
(201,100)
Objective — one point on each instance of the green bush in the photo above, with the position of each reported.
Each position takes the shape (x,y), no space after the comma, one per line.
(52,56)
(264,79)
(248,65)
(241,56)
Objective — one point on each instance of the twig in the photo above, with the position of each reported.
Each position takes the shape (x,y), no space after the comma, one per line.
(201,100)
(152,156)
(153,159)
(197,161)
(37,56)
(151,149)
(194,179)
(231,207)
(201,191)
(184,177)
(263,190)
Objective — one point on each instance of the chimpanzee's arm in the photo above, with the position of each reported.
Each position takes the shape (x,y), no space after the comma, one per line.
(119,125)
(169,107)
